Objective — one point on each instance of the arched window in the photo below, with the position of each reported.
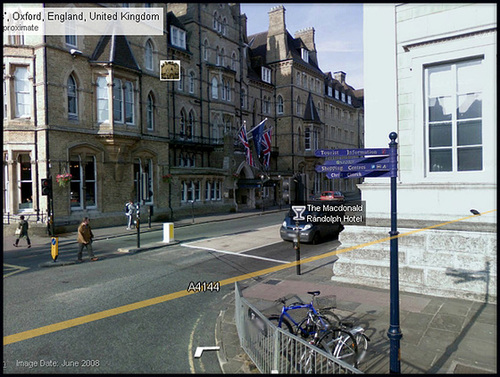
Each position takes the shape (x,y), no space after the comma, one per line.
(224,26)
(223,89)
(190,125)
(191,82)
(216,22)
(149,55)
(299,106)
(182,124)
(150,112)
(228,90)
(222,57)
(72,99)
(233,61)
(215,88)
(243,97)
(217,56)
(280,105)
(205,50)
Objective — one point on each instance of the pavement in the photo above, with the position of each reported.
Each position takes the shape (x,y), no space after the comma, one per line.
(440,335)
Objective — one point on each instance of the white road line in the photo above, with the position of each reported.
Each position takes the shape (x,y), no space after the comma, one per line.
(233,253)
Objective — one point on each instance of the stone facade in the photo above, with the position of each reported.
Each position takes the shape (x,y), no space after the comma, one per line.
(98,110)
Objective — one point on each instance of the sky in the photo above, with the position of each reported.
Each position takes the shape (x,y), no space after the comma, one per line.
(338,32)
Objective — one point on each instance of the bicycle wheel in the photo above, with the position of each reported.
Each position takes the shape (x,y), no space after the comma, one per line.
(285,325)
(341,344)
(333,318)
(362,343)
(312,324)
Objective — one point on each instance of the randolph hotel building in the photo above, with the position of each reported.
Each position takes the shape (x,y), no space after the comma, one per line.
(95,107)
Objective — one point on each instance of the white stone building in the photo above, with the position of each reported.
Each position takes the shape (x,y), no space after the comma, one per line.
(430,76)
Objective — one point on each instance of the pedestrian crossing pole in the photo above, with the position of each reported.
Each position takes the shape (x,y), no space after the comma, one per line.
(394,332)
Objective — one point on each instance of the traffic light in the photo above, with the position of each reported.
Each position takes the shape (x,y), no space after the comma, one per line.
(285,190)
(46,186)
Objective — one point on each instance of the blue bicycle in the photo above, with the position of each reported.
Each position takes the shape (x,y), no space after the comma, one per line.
(310,328)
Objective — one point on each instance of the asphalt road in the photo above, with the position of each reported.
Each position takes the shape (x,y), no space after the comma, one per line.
(135,313)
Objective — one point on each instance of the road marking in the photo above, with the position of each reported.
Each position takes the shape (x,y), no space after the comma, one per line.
(190,346)
(199,350)
(238,254)
(9,339)
(16,269)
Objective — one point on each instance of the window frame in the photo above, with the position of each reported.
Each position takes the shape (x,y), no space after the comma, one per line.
(453,92)
(72,96)
(24,92)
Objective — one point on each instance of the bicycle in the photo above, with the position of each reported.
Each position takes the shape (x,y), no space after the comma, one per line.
(310,327)
(346,342)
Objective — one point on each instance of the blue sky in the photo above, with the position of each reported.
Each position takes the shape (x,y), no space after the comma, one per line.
(338,32)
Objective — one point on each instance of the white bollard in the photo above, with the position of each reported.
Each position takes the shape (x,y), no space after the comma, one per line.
(168,232)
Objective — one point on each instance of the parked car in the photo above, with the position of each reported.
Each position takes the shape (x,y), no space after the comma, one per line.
(310,231)
(331,195)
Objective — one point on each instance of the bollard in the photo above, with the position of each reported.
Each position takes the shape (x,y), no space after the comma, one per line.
(168,232)
(54,248)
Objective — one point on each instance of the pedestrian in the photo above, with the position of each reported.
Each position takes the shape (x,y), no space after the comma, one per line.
(22,231)
(85,236)
(129,212)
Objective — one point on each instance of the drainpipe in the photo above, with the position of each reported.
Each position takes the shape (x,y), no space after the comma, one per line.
(35,119)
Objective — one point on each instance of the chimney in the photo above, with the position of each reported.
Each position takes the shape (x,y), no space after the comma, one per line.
(277,20)
(339,76)
(277,46)
(307,37)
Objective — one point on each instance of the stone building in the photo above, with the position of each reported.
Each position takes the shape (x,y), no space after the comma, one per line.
(95,107)
(434,85)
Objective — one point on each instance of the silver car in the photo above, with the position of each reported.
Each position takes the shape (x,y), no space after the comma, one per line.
(310,231)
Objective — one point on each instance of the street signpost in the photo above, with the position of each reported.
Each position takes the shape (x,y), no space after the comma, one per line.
(383,163)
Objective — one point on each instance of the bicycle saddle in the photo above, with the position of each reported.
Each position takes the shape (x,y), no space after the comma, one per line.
(315,293)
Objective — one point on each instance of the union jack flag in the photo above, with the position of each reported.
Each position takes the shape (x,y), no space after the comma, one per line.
(266,143)
(242,135)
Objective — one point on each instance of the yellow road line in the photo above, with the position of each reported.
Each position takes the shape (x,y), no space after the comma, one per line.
(17,269)
(9,339)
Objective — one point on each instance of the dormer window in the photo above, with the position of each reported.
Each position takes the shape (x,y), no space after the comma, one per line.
(330,94)
(343,97)
(349,100)
(266,75)
(178,37)
(305,55)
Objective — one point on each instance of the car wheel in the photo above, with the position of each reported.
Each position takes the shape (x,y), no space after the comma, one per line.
(316,239)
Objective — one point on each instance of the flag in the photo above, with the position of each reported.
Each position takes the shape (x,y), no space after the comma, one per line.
(242,135)
(257,132)
(266,143)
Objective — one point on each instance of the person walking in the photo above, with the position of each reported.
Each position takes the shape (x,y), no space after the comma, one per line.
(129,212)
(85,236)
(22,231)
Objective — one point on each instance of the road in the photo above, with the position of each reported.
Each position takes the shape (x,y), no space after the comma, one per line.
(134,313)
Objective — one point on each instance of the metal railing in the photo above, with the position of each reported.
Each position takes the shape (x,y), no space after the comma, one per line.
(38,217)
(274,350)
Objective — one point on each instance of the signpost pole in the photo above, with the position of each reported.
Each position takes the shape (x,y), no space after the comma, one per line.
(394,332)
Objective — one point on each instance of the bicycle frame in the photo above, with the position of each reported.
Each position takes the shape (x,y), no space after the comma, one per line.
(310,307)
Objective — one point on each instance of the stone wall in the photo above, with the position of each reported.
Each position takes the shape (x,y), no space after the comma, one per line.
(445,263)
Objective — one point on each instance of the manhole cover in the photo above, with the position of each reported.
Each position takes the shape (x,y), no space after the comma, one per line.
(273,282)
